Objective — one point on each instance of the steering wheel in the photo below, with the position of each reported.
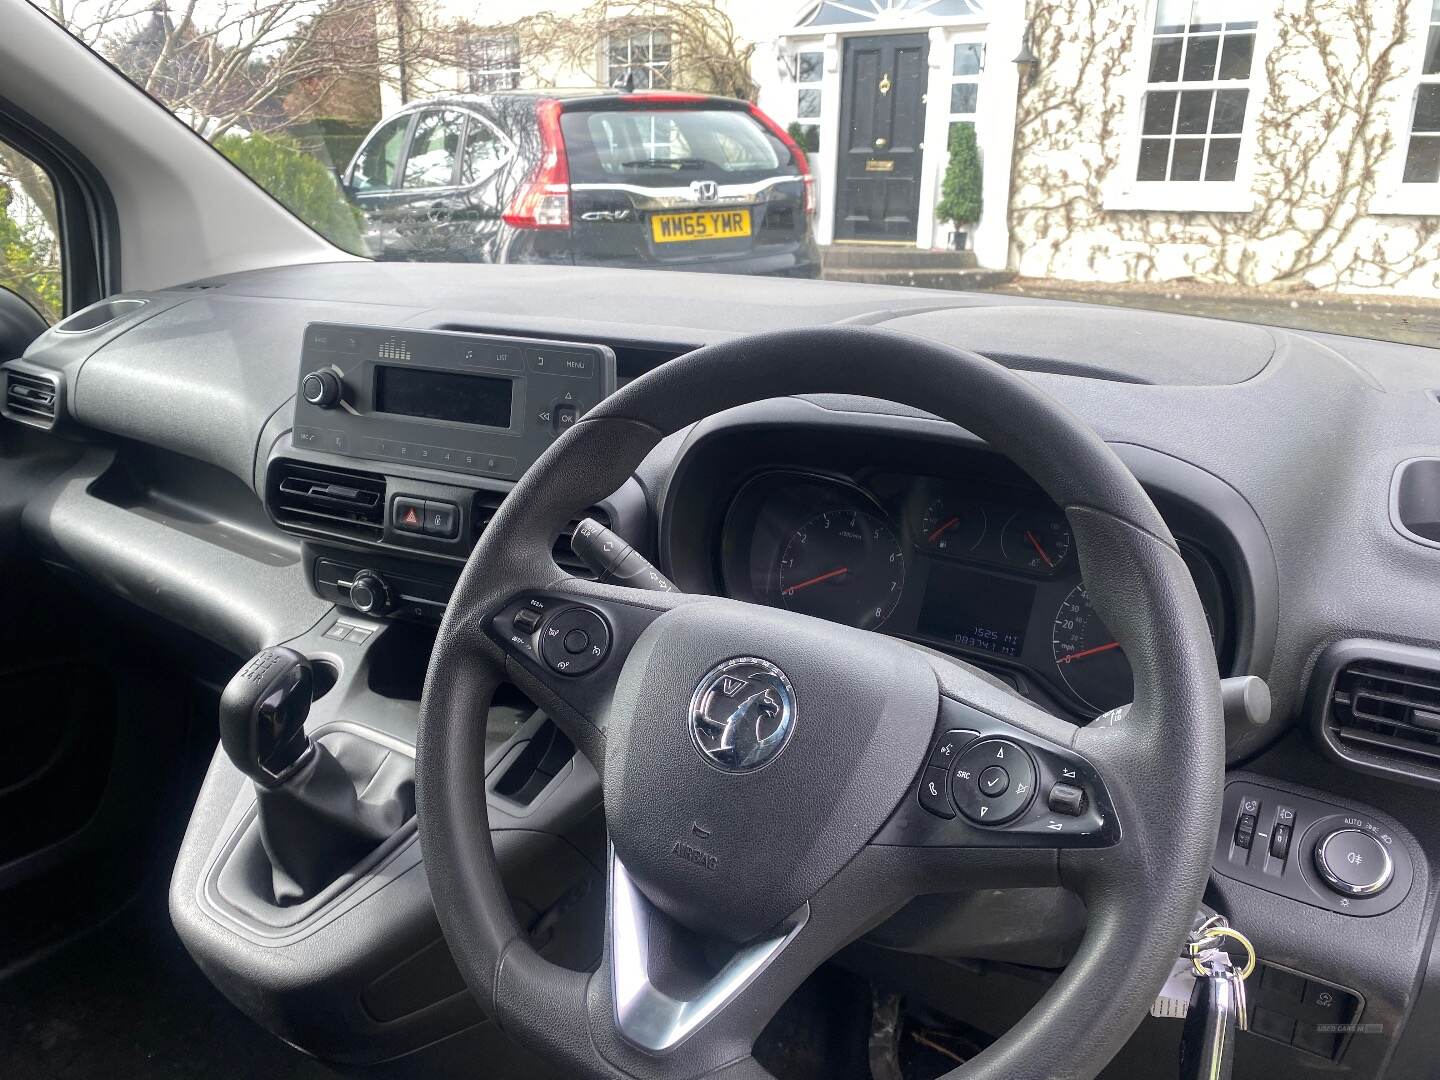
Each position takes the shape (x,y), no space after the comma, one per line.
(775,786)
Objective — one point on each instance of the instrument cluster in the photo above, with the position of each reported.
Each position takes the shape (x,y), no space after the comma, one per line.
(982,568)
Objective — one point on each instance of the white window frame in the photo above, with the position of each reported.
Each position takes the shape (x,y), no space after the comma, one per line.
(485,45)
(629,37)
(1393,195)
(816,84)
(975,80)
(1124,192)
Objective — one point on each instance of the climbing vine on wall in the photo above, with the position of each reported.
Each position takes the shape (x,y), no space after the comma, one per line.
(1327,115)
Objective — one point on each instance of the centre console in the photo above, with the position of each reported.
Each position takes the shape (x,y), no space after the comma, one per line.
(405,442)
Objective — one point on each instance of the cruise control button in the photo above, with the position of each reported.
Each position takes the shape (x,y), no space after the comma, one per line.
(1067,799)
(556,637)
(526,620)
(932,792)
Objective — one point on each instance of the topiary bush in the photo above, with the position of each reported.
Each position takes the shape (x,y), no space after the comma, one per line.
(960,191)
(806,136)
(299,182)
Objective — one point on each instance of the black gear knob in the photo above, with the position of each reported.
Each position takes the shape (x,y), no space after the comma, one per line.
(262,715)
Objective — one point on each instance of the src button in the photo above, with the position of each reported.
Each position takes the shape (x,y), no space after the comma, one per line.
(993,781)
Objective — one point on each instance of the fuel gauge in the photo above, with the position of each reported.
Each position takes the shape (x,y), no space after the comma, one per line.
(952,526)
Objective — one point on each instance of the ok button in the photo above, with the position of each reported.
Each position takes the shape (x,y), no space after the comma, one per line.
(994,781)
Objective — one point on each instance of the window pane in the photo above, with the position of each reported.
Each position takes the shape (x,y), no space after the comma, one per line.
(375,168)
(1159,112)
(962,97)
(1427,108)
(1200,59)
(809,107)
(1194,112)
(1165,60)
(969,59)
(1223,157)
(810,66)
(433,150)
(1212,14)
(1237,55)
(1229,112)
(29,235)
(1185,165)
(1432,52)
(483,152)
(1171,16)
(1422,163)
(1154,155)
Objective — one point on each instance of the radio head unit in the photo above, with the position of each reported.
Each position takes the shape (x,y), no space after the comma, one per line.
(471,403)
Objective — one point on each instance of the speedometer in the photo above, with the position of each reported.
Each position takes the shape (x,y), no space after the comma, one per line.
(844,565)
(1088,657)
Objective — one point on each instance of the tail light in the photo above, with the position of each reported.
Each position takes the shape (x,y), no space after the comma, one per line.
(544,200)
(801,161)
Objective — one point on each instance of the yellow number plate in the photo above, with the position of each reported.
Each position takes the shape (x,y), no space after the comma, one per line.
(701,225)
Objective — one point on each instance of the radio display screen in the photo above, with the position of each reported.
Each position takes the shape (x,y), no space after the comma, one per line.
(443,395)
(976,610)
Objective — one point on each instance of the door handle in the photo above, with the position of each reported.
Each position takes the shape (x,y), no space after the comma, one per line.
(880,144)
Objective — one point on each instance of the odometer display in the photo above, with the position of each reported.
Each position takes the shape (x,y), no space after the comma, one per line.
(844,565)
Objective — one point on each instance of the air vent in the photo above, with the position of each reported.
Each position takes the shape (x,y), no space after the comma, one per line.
(32,398)
(1375,706)
(333,502)
(487,502)
(1393,708)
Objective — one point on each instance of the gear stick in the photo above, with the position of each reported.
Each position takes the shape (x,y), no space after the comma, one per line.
(313,824)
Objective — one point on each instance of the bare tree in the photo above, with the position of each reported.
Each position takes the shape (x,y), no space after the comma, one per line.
(226,64)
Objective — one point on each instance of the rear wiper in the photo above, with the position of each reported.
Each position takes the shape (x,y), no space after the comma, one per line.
(666,163)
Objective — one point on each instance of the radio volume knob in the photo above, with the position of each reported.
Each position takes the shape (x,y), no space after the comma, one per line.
(321,389)
(370,594)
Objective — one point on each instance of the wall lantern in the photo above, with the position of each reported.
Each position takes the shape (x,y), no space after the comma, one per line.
(1026,60)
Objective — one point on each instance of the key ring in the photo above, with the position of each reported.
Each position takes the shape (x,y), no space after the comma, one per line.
(1224,932)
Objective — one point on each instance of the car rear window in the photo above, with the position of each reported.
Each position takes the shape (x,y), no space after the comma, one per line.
(668,147)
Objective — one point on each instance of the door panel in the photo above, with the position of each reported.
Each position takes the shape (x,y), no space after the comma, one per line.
(882,125)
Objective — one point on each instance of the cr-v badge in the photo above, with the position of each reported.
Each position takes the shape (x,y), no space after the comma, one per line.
(742,714)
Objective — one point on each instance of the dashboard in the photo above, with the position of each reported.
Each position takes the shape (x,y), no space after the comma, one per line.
(979,567)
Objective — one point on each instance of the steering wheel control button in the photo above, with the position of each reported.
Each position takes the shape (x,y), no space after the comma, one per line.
(526,621)
(948,749)
(934,795)
(1353,863)
(1066,799)
(442,519)
(574,625)
(993,781)
(407,514)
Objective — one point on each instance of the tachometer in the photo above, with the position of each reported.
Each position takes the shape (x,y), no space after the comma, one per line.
(844,565)
(1088,657)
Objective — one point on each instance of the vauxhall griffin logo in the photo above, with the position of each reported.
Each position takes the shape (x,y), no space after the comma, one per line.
(742,714)
(704,190)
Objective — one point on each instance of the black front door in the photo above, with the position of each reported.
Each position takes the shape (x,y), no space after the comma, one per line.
(882,122)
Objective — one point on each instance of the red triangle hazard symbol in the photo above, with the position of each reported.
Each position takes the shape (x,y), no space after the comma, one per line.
(411,518)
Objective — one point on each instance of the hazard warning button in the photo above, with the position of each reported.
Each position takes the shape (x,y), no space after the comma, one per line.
(407,514)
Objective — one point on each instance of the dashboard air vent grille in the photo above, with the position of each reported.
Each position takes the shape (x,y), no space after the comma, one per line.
(30,398)
(1389,708)
(487,502)
(333,501)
